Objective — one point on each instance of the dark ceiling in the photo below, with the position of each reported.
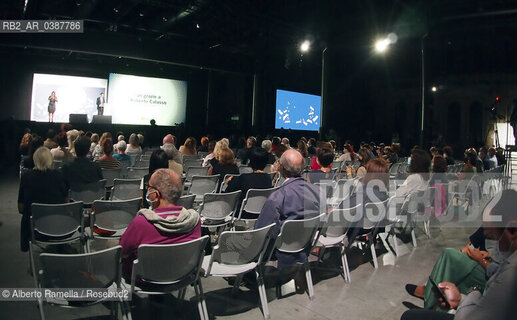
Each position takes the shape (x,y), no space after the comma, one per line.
(261,30)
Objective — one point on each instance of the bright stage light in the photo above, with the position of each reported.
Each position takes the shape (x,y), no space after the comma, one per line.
(304,47)
(434,89)
(382,45)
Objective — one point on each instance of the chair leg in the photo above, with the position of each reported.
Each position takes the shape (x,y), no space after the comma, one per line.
(200,301)
(308,277)
(236,284)
(395,244)
(40,307)
(203,303)
(413,236)
(262,295)
(344,263)
(374,255)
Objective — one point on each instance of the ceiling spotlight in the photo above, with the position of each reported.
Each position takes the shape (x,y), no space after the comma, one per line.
(434,89)
(382,45)
(164,19)
(197,26)
(304,47)
(141,14)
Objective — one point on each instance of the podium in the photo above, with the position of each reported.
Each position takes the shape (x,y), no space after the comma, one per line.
(101,119)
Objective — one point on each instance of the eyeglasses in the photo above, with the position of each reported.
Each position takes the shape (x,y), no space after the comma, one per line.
(153,187)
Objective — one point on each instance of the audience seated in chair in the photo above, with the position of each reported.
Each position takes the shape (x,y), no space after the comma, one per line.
(134,148)
(158,160)
(223,164)
(107,161)
(324,158)
(418,174)
(120,154)
(165,224)
(81,170)
(39,185)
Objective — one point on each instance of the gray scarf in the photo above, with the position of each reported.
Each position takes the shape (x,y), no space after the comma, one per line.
(182,223)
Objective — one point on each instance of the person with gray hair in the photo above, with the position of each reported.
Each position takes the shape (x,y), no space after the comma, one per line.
(134,145)
(295,199)
(166,223)
(266,145)
(39,185)
(120,154)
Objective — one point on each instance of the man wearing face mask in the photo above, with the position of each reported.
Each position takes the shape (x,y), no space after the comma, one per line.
(498,299)
(165,224)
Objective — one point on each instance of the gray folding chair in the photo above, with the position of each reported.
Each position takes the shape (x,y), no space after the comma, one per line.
(337,165)
(237,253)
(253,202)
(342,190)
(87,193)
(110,175)
(97,270)
(203,184)
(333,235)
(125,189)
(163,268)
(123,168)
(192,163)
(136,172)
(218,209)
(110,219)
(53,224)
(202,154)
(186,201)
(195,171)
(298,235)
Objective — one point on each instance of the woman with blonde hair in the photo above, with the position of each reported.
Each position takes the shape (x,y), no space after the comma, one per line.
(39,185)
(224,164)
(71,136)
(189,147)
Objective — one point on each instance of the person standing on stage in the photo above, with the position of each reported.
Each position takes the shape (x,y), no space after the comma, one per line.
(52,99)
(100,104)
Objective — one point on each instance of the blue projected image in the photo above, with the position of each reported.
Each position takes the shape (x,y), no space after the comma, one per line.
(297,111)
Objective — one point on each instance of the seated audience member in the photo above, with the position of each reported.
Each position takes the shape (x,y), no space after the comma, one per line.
(266,145)
(491,159)
(499,155)
(285,142)
(71,136)
(189,147)
(141,139)
(275,142)
(121,152)
(50,142)
(94,142)
(348,154)
(314,162)
(311,146)
(478,164)
(175,158)
(418,179)
(97,152)
(244,154)
(81,170)
(224,164)
(39,185)
(159,160)
(61,153)
(324,158)
(210,155)
(25,144)
(470,267)
(438,181)
(374,188)
(364,155)
(497,301)
(204,145)
(295,199)
(301,146)
(165,224)
(448,154)
(258,179)
(470,166)
(107,161)
(26,160)
(134,148)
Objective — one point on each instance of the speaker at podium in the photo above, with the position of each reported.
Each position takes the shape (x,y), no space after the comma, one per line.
(97,119)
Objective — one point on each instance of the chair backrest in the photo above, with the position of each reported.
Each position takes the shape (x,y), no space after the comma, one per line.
(241,247)
(186,201)
(141,163)
(169,263)
(116,214)
(125,189)
(339,221)
(57,220)
(279,181)
(343,189)
(219,206)
(224,185)
(203,184)
(202,154)
(318,176)
(255,199)
(89,192)
(245,169)
(374,213)
(296,235)
(336,165)
(98,269)
(145,157)
(394,168)
(326,188)
(110,175)
(124,164)
(192,163)
(196,171)
(187,157)
(136,172)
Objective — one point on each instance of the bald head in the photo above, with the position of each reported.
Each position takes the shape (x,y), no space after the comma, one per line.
(168,183)
(168,139)
(291,163)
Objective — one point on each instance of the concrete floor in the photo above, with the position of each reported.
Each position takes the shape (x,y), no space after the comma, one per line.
(372,294)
